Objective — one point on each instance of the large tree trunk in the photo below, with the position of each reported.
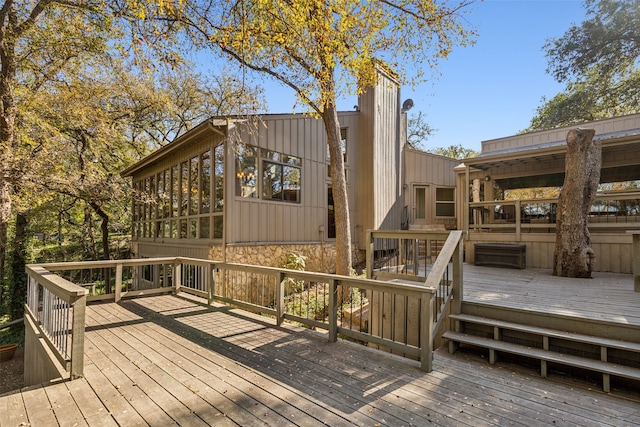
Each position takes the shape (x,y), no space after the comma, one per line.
(573,255)
(18,261)
(339,188)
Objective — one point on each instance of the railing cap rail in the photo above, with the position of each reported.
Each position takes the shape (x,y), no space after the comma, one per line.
(61,287)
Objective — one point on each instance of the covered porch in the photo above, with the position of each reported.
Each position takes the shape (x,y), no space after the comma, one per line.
(509,193)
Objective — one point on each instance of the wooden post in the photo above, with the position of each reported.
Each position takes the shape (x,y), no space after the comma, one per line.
(333,310)
(427,308)
(280,299)
(369,254)
(211,281)
(77,333)
(177,276)
(118,290)
(635,251)
(457,290)
(518,221)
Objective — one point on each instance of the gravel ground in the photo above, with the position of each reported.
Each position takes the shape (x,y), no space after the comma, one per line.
(12,372)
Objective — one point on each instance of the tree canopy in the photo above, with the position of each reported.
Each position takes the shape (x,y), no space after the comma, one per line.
(598,60)
(323,50)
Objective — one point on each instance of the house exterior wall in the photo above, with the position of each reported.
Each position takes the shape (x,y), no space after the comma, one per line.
(431,171)
(248,218)
(602,127)
(380,155)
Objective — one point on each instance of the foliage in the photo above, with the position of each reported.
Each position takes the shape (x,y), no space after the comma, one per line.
(455,152)
(13,334)
(321,50)
(418,131)
(294,261)
(598,60)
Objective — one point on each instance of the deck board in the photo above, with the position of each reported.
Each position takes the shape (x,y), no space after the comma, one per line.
(605,297)
(167,360)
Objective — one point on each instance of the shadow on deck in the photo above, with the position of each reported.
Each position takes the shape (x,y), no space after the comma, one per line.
(169,360)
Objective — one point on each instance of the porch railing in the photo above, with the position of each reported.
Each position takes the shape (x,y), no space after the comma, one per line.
(56,307)
(398,317)
(609,211)
(432,259)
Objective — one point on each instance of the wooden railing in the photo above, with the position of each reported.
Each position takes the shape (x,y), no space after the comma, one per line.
(609,211)
(398,317)
(433,259)
(56,307)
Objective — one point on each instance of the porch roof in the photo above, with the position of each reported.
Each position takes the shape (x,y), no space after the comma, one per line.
(616,146)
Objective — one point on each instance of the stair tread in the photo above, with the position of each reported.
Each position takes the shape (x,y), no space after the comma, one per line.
(548,355)
(553,333)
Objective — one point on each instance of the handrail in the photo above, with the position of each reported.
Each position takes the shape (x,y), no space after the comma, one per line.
(443,277)
(57,309)
(258,289)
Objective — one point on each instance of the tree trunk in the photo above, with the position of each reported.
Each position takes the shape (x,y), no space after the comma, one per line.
(339,188)
(573,255)
(104,226)
(17,262)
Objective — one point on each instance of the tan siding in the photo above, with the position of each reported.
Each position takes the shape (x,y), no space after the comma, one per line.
(616,124)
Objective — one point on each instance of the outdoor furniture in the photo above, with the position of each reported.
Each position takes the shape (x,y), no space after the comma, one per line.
(500,255)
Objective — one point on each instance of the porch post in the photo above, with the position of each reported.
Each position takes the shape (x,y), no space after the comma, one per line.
(635,235)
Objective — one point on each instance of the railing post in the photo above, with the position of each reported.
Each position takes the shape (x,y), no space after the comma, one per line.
(211,282)
(177,276)
(333,310)
(456,307)
(369,254)
(77,334)
(118,289)
(635,251)
(280,298)
(518,222)
(427,307)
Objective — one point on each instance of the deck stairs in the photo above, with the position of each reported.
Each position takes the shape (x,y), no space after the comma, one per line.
(527,339)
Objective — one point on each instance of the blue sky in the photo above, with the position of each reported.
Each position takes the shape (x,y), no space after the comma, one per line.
(490,90)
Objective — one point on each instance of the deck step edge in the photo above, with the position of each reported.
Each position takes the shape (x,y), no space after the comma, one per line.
(547,355)
(552,333)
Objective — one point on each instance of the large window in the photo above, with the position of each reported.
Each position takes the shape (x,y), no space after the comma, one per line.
(445,202)
(331,215)
(279,175)
(246,169)
(182,201)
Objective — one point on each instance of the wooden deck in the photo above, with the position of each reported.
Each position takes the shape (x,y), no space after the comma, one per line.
(607,297)
(168,360)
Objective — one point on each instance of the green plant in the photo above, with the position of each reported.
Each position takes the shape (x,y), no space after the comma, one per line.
(294,261)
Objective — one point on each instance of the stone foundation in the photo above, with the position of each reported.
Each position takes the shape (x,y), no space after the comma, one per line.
(320,257)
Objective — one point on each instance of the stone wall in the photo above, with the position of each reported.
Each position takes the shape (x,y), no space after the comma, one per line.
(320,257)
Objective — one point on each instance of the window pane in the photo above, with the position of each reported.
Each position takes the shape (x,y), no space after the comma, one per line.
(219,178)
(205,182)
(331,215)
(194,191)
(184,188)
(204,228)
(175,191)
(166,199)
(183,228)
(217,227)
(444,194)
(291,183)
(246,166)
(193,229)
(421,203)
(445,209)
(343,139)
(272,181)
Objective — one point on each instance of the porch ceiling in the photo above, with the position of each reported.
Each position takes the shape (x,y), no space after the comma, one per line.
(611,149)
